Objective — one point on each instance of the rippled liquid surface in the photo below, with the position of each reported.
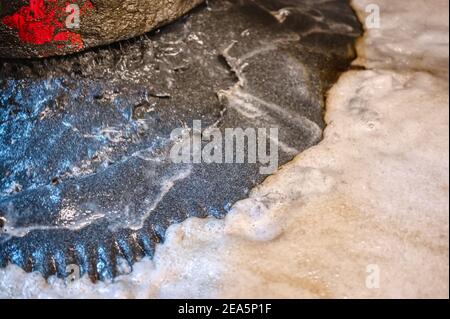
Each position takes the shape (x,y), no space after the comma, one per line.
(85,173)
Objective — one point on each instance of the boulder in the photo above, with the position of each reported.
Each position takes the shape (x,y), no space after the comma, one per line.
(42,28)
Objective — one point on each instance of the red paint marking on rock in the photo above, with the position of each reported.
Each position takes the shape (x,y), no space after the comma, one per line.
(43,22)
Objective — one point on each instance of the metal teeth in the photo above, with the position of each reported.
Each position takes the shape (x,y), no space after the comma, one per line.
(146,244)
(159,233)
(60,264)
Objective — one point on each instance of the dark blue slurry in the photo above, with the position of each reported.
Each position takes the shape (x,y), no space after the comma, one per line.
(85,173)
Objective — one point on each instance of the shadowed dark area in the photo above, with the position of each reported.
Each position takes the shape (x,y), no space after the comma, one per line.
(85,173)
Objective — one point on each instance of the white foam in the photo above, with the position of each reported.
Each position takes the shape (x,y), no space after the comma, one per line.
(374,192)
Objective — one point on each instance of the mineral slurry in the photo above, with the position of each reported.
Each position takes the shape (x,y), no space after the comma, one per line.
(86,173)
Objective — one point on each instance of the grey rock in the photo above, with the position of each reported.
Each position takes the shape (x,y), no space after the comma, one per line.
(42,28)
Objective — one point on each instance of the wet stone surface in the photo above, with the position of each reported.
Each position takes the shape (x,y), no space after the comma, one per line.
(85,173)
(43,28)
